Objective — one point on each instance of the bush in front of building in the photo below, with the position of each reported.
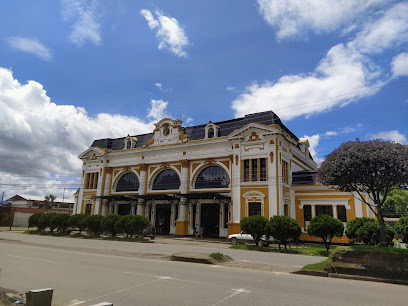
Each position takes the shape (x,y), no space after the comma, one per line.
(33,220)
(367,230)
(44,222)
(108,224)
(401,228)
(60,222)
(77,221)
(369,233)
(354,225)
(136,225)
(325,227)
(283,229)
(254,225)
(120,225)
(93,223)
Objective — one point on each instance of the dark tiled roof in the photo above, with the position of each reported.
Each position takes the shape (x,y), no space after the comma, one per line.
(306,177)
(197,132)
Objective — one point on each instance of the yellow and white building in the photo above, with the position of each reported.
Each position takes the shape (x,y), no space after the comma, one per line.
(212,175)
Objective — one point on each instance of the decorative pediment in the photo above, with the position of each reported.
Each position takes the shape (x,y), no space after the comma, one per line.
(91,154)
(169,131)
(253,132)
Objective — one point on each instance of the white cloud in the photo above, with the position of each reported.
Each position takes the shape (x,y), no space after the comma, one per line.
(344,75)
(388,31)
(170,34)
(29,45)
(314,142)
(294,17)
(86,26)
(158,109)
(330,133)
(230,88)
(391,135)
(399,65)
(159,85)
(189,120)
(42,139)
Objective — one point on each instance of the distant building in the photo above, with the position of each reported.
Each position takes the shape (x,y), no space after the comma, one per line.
(29,201)
(212,175)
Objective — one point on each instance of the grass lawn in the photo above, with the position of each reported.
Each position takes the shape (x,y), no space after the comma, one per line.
(311,250)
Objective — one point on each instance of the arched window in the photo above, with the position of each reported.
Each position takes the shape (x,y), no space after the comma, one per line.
(128,144)
(167,179)
(212,177)
(210,133)
(128,182)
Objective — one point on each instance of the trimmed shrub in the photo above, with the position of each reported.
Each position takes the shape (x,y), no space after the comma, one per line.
(94,223)
(60,221)
(254,225)
(44,221)
(401,228)
(108,224)
(136,225)
(282,229)
(33,220)
(76,221)
(120,225)
(354,225)
(325,227)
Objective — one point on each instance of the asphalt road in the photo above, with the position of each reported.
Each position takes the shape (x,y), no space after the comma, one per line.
(85,279)
(168,246)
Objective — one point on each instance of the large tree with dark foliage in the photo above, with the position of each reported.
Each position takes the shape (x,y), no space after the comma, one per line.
(374,167)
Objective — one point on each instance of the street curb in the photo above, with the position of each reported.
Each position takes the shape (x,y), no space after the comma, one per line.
(353,277)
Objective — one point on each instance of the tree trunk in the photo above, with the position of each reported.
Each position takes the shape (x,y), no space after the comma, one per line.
(383,239)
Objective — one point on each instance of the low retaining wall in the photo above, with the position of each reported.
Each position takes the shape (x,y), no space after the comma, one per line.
(21,214)
(374,264)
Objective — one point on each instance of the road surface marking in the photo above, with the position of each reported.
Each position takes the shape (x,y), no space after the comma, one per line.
(30,258)
(165,277)
(235,292)
(75,302)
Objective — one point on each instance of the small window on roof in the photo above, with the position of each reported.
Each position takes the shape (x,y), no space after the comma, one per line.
(210,133)
(128,144)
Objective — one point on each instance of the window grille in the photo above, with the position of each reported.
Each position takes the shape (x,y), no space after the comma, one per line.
(167,179)
(128,182)
(212,177)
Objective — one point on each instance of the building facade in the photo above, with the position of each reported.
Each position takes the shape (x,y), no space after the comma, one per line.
(212,175)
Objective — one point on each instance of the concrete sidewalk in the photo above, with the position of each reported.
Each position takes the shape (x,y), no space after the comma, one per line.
(161,247)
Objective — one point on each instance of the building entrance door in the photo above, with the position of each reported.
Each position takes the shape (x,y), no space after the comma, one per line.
(210,219)
(163,213)
(124,209)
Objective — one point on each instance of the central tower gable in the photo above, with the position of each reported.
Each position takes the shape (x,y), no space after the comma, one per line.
(168,131)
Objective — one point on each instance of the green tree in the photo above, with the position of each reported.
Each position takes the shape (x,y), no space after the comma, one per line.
(33,220)
(108,224)
(120,225)
(401,228)
(369,233)
(77,221)
(254,225)
(283,229)
(325,227)
(60,221)
(49,201)
(94,223)
(372,167)
(136,225)
(396,203)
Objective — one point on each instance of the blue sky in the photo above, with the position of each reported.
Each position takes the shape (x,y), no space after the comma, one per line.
(73,71)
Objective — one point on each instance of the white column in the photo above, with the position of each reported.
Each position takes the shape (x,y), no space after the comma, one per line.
(133,207)
(111,205)
(236,187)
(190,211)
(334,208)
(116,205)
(98,193)
(142,179)
(140,207)
(185,164)
(183,209)
(104,207)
